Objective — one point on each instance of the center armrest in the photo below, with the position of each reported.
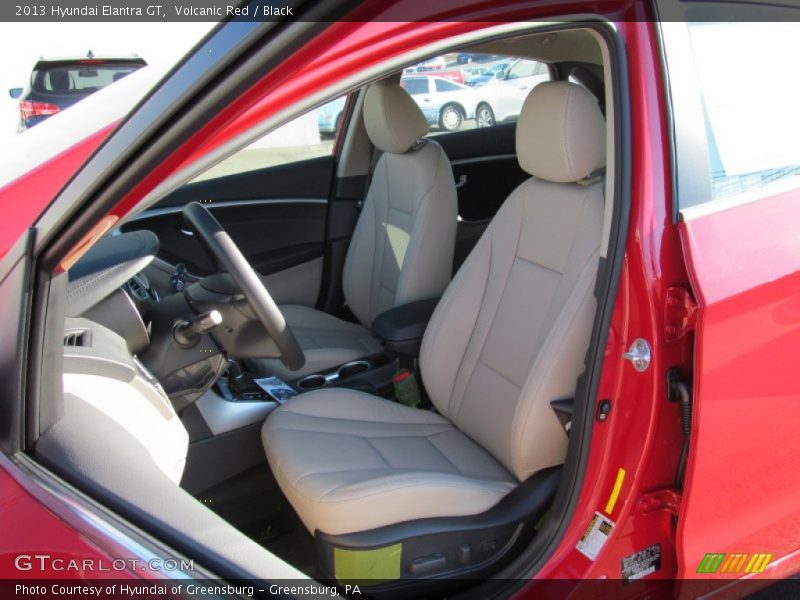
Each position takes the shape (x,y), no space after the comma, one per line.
(402,327)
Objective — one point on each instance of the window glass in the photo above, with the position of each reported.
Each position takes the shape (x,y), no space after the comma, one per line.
(79,78)
(465,90)
(750,103)
(524,68)
(415,85)
(310,135)
(442,85)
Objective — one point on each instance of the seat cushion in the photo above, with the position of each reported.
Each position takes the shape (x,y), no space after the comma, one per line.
(327,342)
(349,461)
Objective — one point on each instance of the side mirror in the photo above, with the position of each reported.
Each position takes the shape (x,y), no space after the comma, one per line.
(15,92)
(500,75)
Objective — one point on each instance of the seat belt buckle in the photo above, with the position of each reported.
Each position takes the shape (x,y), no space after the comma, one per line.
(406,388)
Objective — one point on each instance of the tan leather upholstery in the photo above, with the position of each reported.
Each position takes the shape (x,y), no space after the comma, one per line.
(349,461)
(508,337)
(393,120)
(326,341)
(402,246)
(570,132)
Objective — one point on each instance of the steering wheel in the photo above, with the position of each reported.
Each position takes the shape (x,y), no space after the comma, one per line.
(231,259)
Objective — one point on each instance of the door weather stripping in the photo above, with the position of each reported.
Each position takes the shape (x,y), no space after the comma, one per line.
(639,354)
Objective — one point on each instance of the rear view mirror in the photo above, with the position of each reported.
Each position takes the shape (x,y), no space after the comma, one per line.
(15,92)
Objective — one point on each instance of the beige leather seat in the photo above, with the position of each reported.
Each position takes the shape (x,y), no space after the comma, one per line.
(402,246)
(508,337)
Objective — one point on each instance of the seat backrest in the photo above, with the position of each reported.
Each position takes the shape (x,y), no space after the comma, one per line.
(402,246)
(511,332)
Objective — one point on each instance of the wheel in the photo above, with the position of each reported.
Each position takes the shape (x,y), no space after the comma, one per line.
(484,116)
(231,260)
(451,117)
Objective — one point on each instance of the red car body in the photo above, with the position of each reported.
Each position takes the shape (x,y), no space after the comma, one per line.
(724,314)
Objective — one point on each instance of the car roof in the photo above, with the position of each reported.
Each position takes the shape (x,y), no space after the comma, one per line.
(132,58)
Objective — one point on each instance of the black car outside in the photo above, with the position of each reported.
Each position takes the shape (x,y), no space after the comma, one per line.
(56,84)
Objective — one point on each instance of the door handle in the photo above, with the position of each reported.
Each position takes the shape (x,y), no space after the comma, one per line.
(185,231)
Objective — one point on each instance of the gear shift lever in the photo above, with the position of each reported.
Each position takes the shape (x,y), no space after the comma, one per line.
(237,378)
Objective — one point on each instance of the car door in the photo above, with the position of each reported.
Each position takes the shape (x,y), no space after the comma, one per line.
(272,197)
(737,199)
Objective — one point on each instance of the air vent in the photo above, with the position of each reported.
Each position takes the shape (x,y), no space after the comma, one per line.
(138,286)
(77,338)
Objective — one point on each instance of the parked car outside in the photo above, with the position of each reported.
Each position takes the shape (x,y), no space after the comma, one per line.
(58,83)
(435,64)
(329,116)
(446,104)
(456,75)
(501,98)
(489,73)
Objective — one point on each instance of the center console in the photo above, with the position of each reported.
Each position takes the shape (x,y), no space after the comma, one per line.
(371,374)
(242,398)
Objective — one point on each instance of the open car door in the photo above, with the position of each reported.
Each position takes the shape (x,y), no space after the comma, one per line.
(738,193)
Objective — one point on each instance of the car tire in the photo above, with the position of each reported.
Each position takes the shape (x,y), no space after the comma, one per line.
(484,116)
(451,117)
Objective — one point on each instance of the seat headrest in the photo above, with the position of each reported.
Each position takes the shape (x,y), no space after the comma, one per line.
(59,81)
(392,118)
(561,133)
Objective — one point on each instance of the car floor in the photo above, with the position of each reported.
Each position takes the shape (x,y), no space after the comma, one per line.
(253,503)
(288,539)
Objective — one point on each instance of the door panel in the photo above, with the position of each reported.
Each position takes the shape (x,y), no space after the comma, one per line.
(276,215)
(737,197)
(743,463)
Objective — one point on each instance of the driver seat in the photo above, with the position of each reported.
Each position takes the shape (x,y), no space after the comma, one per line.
(508,337)
(403,243)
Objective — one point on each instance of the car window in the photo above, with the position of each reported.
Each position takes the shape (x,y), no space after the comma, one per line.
(525,68)
(415,85)
(78,78)
(310,135)
(442,85)
(750,106)
(467,90)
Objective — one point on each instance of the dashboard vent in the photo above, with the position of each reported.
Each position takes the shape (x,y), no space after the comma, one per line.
(138,287)
(79,338)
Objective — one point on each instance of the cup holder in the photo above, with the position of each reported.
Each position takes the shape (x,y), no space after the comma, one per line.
(311,382)
(352,368)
